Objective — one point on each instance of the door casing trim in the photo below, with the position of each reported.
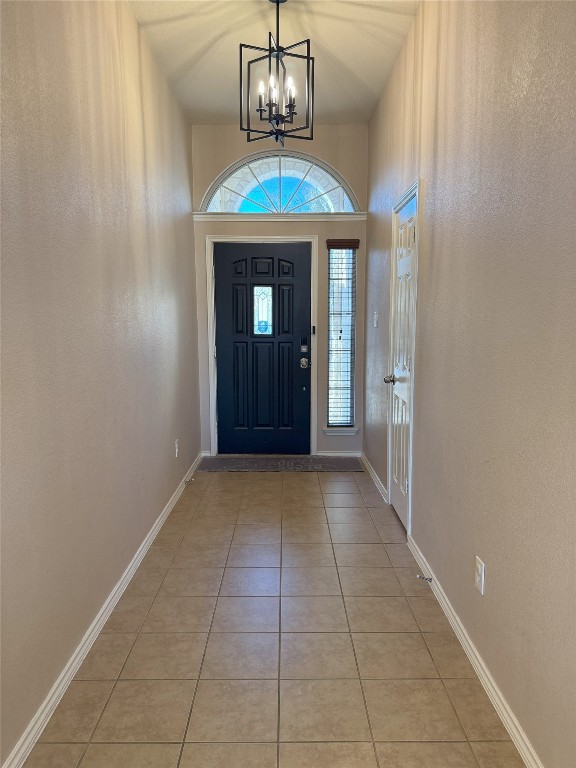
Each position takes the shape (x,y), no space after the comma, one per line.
(411,193)
(212,368)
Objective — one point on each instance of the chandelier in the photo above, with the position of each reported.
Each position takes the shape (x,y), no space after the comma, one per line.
(280,82)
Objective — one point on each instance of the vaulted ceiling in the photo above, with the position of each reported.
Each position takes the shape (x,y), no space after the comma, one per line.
(355,43)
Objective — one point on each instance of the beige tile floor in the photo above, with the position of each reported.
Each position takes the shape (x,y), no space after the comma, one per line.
(276,622)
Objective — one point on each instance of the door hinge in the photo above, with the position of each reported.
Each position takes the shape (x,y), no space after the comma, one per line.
(214,351)
(213,275)
(406,487)
(414,235)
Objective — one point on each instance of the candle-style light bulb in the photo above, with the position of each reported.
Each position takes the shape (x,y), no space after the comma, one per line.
(272,90)
(291,91)
(261,95)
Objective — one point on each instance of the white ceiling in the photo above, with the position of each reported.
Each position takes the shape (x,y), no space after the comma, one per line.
(354,42)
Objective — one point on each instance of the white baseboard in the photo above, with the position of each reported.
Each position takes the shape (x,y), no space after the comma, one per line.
(34,730)
(194,467)
(377,482)
(523,745)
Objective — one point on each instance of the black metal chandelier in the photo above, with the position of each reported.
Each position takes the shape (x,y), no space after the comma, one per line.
(281,83)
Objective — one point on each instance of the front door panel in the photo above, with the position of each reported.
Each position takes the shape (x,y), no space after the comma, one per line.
(262,297)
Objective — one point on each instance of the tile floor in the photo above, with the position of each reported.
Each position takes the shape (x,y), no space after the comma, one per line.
(276,622)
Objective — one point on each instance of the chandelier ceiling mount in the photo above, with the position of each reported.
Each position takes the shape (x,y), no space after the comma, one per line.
(274,80)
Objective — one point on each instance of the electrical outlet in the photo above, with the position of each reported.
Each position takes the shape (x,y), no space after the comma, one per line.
(480,575)
(375,319)
(176,446)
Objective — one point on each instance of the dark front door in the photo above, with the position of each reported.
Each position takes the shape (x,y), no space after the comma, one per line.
(263,347)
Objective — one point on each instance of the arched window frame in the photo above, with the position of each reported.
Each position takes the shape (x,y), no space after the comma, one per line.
(234,167)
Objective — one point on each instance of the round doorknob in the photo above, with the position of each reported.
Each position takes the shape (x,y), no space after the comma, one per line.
(390,379)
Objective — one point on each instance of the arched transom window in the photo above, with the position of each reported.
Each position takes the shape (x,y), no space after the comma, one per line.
(279,183)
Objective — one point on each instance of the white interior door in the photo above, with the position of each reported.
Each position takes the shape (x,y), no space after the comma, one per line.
(402,338)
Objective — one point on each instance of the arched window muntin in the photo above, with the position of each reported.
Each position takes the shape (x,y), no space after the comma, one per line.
(277,182)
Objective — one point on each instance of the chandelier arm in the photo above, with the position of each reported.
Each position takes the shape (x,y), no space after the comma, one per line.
(265,135)
(277,24)
(294,135)
(279,96)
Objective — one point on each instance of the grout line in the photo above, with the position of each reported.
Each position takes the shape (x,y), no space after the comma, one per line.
(441,679)
(356,661)
(422,633)
(288,741)
(300,679)
(137,635)
(202,660)
(189,519)
(292,741)
(279,636)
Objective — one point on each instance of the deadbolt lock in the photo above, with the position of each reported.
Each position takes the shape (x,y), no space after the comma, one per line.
(390,379)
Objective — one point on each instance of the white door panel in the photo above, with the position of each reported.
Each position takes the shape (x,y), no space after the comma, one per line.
(402,332)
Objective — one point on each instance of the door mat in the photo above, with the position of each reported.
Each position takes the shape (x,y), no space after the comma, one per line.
(280,464)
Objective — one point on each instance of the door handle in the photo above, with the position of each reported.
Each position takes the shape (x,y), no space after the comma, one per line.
(304,362)
(390,379)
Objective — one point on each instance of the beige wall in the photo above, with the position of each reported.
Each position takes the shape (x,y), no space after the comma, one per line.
(99,325)
(344,148)
(481,108)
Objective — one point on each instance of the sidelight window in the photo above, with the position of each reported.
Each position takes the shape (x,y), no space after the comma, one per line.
(341,331)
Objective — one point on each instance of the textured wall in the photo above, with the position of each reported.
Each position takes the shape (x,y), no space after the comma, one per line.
(481,106)
(99,325)
(344,148)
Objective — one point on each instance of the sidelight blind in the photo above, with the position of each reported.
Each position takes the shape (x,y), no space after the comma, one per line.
(341,331)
